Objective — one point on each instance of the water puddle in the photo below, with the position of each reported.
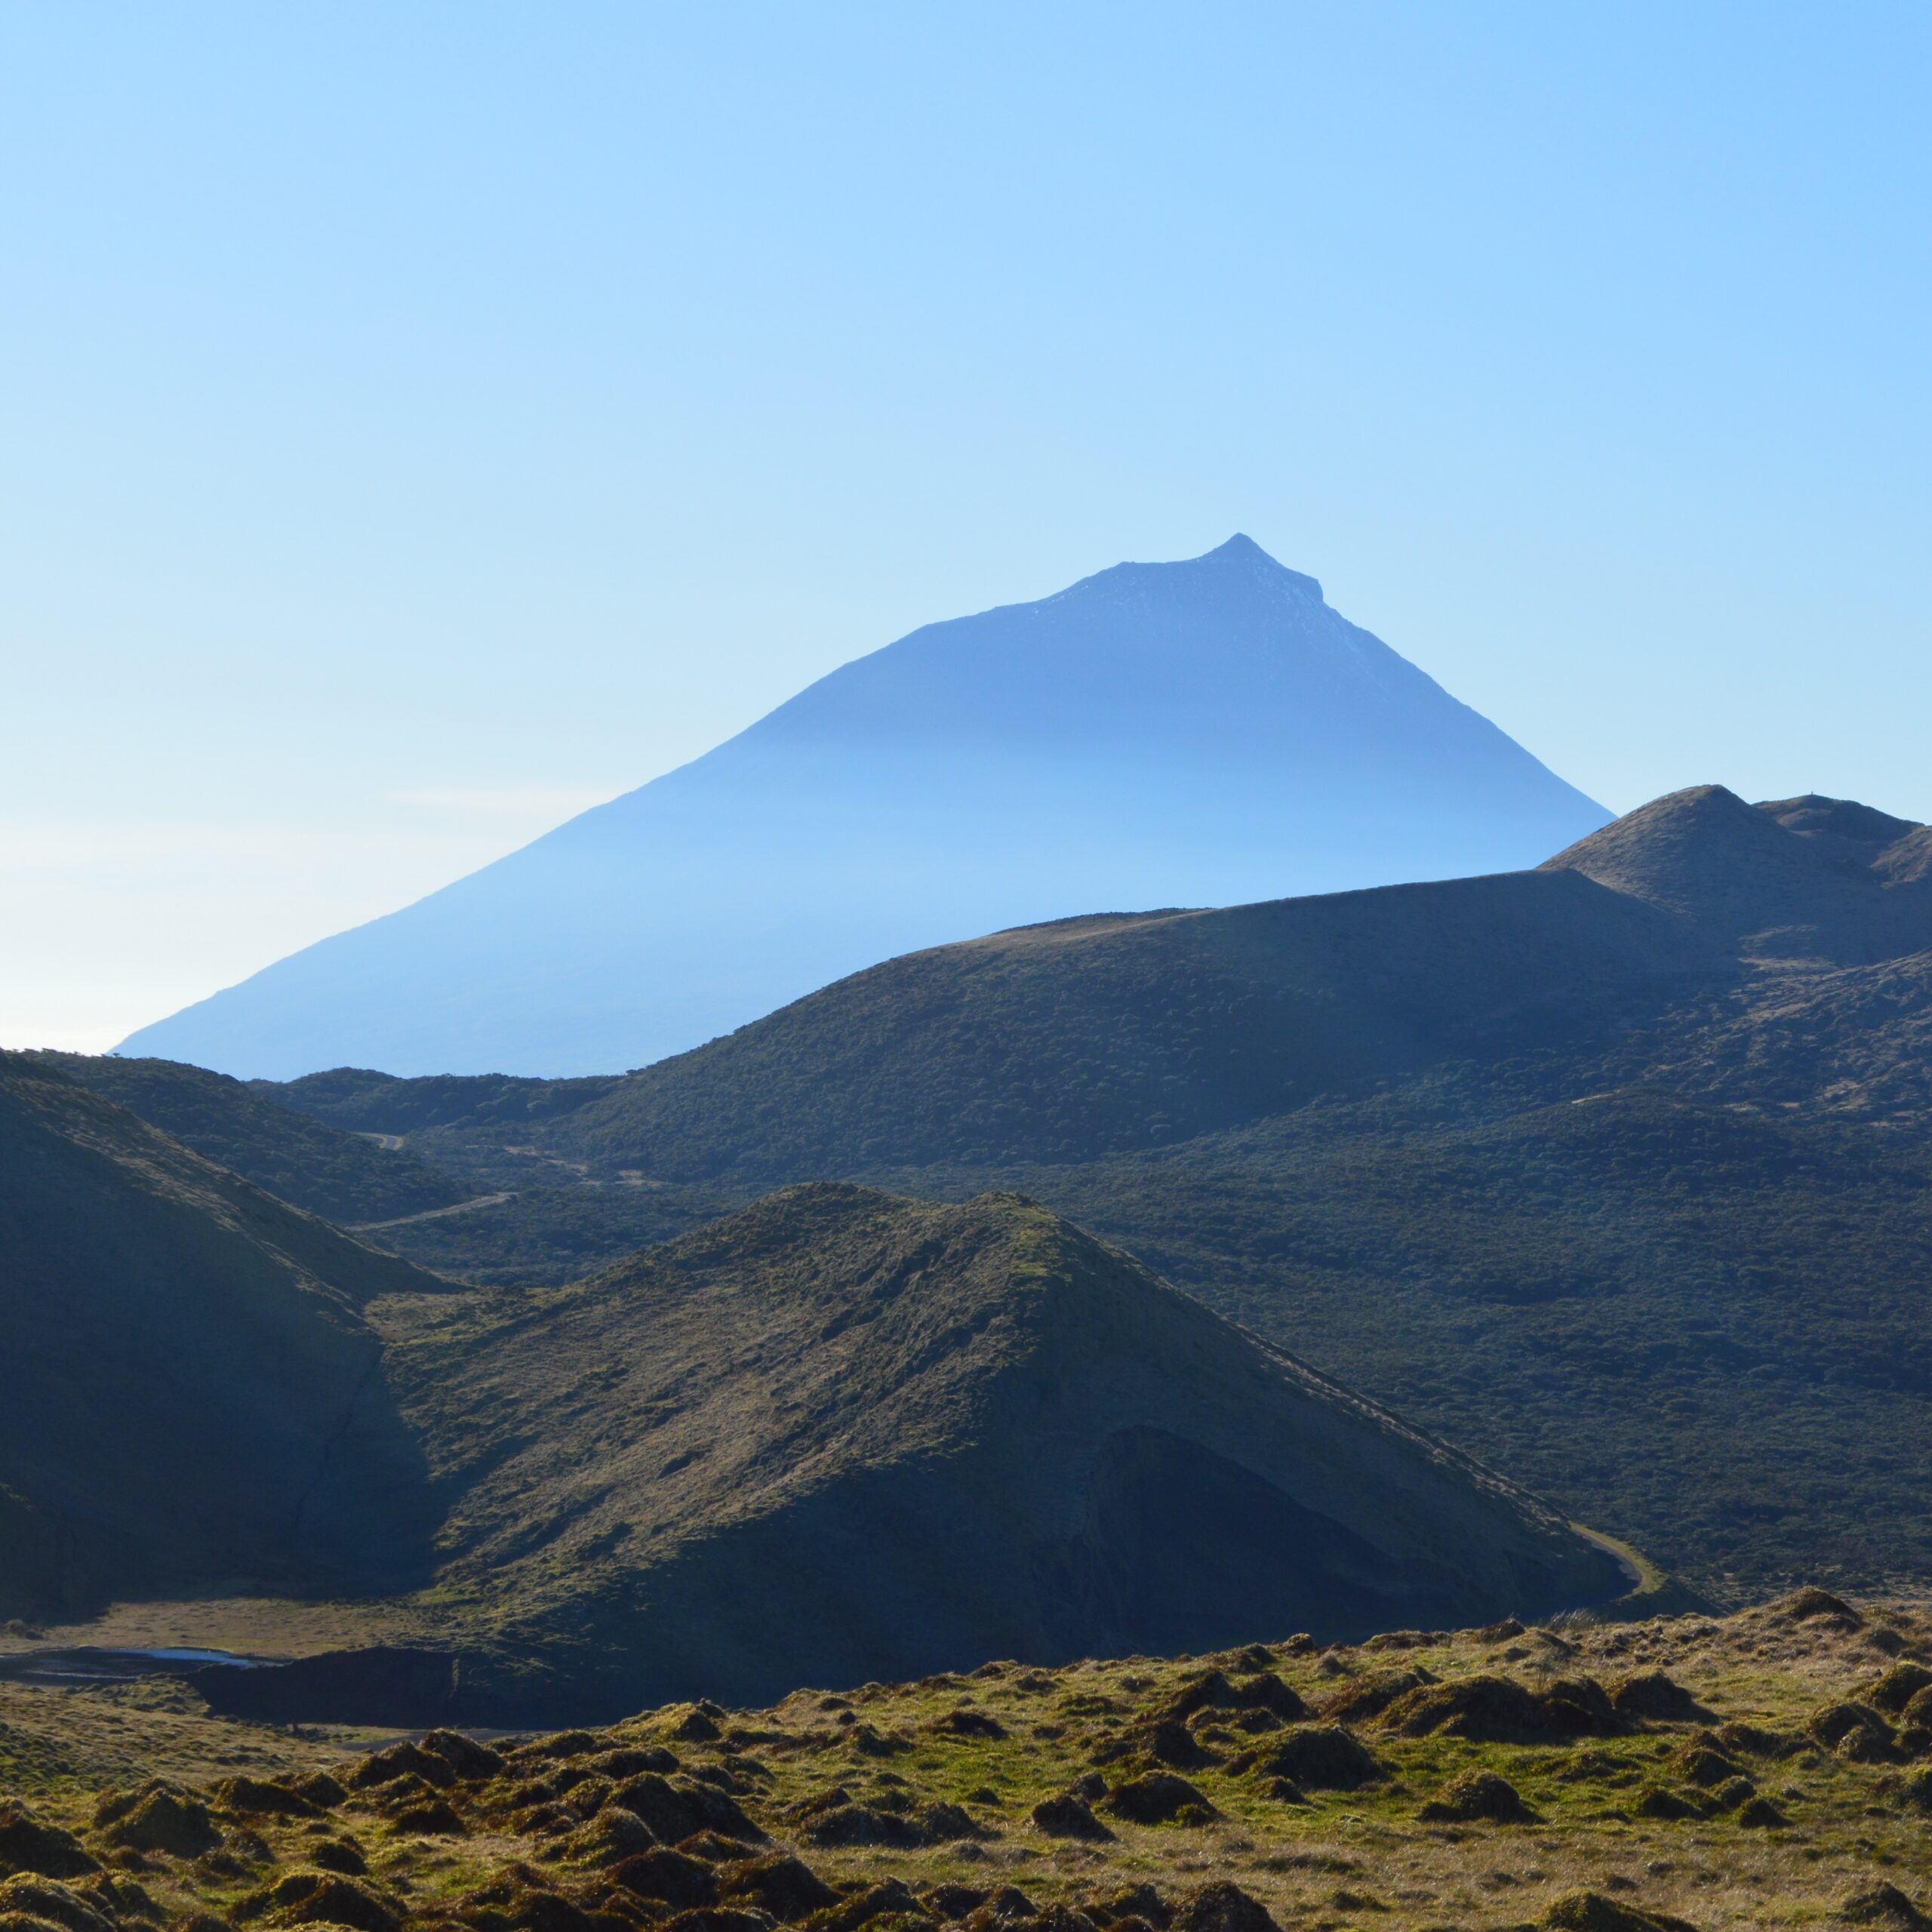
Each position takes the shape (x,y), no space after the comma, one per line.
(87,1665)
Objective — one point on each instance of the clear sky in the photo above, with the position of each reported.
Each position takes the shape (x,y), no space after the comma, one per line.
(419,420)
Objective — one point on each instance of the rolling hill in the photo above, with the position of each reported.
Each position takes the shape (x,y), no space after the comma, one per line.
(835,1434)
(1092,1036)
(1195,733)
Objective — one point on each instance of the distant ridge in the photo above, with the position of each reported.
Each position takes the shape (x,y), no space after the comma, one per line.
(1202,732)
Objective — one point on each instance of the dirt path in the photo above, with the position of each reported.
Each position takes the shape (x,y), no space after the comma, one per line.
(434,1214)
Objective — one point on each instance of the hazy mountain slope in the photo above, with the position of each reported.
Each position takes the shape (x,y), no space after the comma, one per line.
(193,1399)
(343,1177)
(1200,733)
(840,1434)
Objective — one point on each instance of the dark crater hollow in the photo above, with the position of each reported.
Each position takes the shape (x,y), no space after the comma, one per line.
(1183,1549)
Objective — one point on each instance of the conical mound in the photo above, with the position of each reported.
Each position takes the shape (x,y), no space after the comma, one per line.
(842,1435)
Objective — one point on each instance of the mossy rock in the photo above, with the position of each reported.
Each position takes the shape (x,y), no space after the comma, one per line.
(865,1824)
(1323,1757)
(1159,1797)
(1486,1709)
(1702,1765)
(1831,1725)
(1068,1817)
(1224,1907)
(670,1877)
(613,1835)
(1593,1911)
(161,1817)
(1477,1797)
(1667,1806)
(1171,1743)
(784,1886)
(1886,1905)
(263,1798)
(316,1898)
(48,1900)
(28,1844)
(472,1761)
(402,1761)
(1656,1696)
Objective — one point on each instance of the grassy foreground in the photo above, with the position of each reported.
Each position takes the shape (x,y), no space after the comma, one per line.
(1773,1768)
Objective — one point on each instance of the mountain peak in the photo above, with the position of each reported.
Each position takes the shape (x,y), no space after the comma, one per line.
(1240,549)
(1242,559)
(1202,731)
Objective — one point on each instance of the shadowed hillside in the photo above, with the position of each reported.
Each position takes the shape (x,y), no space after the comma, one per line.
(193,1399)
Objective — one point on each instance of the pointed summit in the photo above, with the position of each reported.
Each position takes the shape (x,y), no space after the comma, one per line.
(1241,551)
(1196,733)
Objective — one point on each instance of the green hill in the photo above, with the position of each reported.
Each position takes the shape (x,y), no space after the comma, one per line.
(836,1434)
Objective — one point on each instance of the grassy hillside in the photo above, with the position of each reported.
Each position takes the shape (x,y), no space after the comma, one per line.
(193,1397)
(343,1177)
(842,1435)
(1070,1041)
(1088,1037)
(1766,1771)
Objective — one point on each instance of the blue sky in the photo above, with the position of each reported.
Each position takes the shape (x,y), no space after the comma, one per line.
(417,421)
